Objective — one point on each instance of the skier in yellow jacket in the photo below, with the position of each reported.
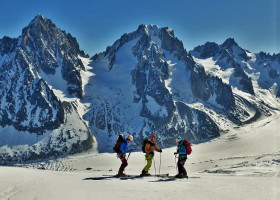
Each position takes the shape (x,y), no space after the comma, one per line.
(149,148)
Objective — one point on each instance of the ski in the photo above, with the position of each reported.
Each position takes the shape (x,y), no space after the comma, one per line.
(137,176)
(163,176)
(155,175)
(189,177)
(151,175)
(175,177)
(122,177)
(160,175)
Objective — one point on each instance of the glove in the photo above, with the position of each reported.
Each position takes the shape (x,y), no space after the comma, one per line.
(160,150)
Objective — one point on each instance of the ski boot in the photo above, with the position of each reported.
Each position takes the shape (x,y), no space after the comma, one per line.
(179,176)
(185,176)
(144,173)
(182,176)
(121,174)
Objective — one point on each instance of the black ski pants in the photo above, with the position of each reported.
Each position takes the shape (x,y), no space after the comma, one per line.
(181,162)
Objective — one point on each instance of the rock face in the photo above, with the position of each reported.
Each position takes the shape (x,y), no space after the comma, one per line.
(28,102)
(209,49)
(153,85)
(49,48)
(162,82)
(226,56)
(145,83)
(204,88)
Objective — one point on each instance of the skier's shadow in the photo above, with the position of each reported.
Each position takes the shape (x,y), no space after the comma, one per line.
(108,178)
(97,178)
(172,179)
(165,180)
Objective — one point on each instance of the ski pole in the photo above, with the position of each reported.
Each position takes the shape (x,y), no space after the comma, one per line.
(159,163)
(176,163)
(129,154)
(155,166)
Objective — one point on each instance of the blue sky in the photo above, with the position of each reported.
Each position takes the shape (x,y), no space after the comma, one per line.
(254,24)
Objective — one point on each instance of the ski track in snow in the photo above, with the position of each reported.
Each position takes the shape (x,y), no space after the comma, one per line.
(9,193)
(263,165)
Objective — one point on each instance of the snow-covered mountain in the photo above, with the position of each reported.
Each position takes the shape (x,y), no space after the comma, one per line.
(240,68)
(34,68)
(148,83)
(253,76)
(53,95)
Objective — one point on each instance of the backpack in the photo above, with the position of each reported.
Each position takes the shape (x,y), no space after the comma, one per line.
(188,146)
(118,144)
(145,141)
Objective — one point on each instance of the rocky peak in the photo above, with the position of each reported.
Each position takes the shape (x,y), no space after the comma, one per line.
(209,49)
(48,49)
(44,31)
(229,43)
(28,101)
(7,45)
(166,40)
(266,56)
(148,34)
(39,25)
(151,30)
(234,49)
(228,48)
(39,18)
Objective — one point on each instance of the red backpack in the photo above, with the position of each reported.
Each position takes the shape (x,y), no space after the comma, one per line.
(188,146)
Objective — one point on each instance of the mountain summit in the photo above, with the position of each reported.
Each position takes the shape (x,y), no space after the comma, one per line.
(53,51)
(34,68)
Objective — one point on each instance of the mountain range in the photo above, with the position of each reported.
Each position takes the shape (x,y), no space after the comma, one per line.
(56,100)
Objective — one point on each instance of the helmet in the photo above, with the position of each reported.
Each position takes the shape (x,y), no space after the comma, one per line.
(178,139)
(130,138)
(154,136)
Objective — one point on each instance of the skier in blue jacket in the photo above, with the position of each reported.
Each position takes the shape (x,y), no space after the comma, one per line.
(124,150)
(181,150)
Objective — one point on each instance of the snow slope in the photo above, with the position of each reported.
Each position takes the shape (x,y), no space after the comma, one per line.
(243,164)
(111,92)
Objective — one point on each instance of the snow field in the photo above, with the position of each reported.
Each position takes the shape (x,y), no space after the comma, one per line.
(37,184)
(243,164)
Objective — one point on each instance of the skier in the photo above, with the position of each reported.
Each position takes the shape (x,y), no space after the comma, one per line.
(182,151)
(149,146)
(122,155)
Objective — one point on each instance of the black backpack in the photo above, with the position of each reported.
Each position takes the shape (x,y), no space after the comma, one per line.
(118,144)
(145,141)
